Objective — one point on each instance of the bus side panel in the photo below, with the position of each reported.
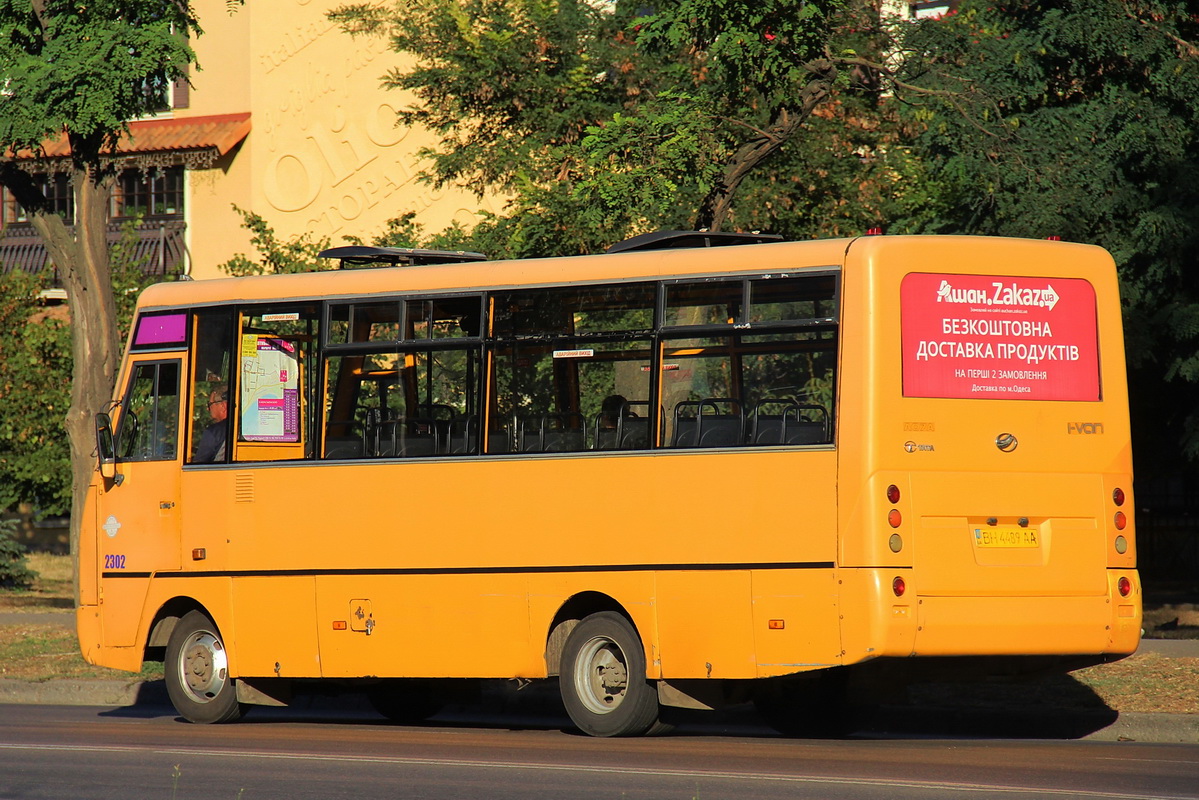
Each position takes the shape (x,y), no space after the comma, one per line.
(705,624)
(451,626)
(795,621)
(274,626)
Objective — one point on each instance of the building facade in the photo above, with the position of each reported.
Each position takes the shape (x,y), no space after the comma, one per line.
(285,116)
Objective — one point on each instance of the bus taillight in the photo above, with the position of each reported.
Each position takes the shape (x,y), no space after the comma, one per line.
(1118,496)
(893,494)
(899,586)
(1121,520)
(1124,586)
(894,518)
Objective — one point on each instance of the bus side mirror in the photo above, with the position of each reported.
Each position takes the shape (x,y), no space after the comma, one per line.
(106,450)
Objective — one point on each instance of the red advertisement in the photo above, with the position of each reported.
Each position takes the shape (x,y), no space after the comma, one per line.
(999,337)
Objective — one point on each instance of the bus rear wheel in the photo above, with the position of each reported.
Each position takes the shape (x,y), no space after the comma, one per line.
(197,672)
(602,679)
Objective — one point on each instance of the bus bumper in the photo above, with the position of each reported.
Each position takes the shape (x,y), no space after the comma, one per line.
(937,625)
(90,630)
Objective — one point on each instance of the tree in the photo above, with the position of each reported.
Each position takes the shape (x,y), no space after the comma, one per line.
(601,120)
(1081,119)
(80,72)
(35,379)
(14,569)
(275,256)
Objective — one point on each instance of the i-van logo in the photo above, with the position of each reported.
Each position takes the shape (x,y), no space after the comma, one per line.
(1010,295)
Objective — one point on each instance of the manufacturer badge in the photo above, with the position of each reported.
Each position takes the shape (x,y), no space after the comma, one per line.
(111,526)
(1006,442)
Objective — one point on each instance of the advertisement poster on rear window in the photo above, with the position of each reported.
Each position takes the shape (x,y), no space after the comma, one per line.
(999,337)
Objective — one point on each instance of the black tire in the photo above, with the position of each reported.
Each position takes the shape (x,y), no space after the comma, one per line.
(406,702)
(197,672)
(602,678)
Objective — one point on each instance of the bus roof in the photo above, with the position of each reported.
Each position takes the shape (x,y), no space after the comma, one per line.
(472,276)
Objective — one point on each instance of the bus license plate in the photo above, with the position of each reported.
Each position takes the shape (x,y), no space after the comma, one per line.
(1007,536)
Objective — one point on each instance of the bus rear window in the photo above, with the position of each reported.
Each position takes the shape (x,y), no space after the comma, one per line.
(999,337)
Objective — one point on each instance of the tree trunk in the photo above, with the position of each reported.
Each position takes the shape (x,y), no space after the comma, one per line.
(718,204)
(82,260)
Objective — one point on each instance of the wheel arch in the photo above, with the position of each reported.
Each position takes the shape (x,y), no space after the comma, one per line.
(163,624)
(570,613)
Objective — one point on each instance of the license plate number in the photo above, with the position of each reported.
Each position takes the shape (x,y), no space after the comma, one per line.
(1009,536)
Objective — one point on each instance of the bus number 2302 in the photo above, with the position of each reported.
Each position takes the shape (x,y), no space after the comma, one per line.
(114,562)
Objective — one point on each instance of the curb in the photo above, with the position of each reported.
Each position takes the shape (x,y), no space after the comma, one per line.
(892,721)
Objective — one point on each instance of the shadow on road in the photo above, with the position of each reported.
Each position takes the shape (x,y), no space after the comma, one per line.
(1056,707)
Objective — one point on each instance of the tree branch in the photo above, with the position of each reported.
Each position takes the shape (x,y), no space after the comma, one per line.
(1188,50)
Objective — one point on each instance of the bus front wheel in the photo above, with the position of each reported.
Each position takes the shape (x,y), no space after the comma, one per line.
(602,679)
(197,672)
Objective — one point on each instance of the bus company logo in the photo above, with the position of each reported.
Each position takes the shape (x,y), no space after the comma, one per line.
(111,526)
(1011,295)
(913,447)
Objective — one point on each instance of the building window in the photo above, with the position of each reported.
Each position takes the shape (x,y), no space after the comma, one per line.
(156,192)
(57,189)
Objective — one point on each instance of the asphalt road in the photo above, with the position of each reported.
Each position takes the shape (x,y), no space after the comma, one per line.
(146,752)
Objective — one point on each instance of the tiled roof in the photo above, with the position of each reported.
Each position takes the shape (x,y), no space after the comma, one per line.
(219,131)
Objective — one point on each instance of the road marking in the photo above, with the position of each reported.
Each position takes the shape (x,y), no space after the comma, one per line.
(762,777)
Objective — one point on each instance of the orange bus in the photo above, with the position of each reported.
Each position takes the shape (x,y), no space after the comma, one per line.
(697,469)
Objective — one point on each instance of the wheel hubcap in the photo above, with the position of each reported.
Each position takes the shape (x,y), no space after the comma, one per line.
(602,675)
(204,667)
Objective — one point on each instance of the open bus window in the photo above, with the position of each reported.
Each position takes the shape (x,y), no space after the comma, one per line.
(704,303)
(364,322)
(444,318)
(792,299)
(149,424)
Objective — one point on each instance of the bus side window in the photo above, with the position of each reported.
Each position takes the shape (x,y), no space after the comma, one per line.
(149,424)
(571,369)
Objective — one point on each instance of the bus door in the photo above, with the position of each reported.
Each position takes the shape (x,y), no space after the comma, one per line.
(138,519)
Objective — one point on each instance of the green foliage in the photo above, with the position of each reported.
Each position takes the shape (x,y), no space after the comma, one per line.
(35,377)
(87,68)
(1081,119)
(598,120)
(14,572)
(503,82)
(276,256)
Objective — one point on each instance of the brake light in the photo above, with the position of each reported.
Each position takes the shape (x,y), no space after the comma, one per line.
(1118,496)
(893,494)
(1124,586)
(874,232)
(899,587)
